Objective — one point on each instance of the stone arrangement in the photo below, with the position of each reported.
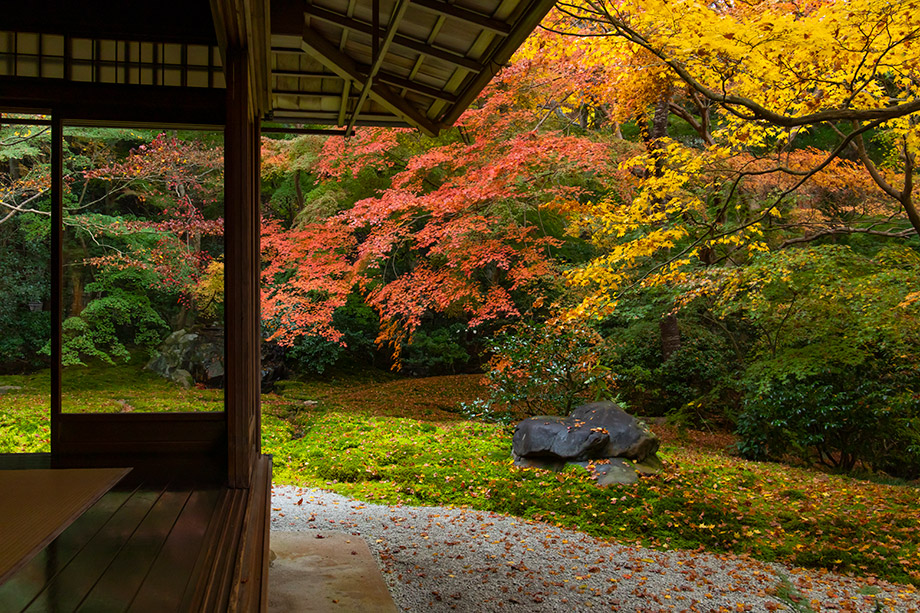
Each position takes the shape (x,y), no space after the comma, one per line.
(599,436)
(190,357)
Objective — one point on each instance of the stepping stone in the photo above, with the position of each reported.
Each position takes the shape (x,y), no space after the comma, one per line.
(321,571)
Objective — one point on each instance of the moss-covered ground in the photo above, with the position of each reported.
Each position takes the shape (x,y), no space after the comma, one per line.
(393,440)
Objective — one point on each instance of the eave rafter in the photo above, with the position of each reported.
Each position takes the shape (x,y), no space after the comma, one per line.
(478,19)
(345,67)
(418,46)
(399,10)
(391,62)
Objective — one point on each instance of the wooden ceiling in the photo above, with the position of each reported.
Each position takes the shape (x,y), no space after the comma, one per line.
(417,63)
(390,62)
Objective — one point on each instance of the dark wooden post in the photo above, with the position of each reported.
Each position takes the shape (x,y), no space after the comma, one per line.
(57,273)
(241,231)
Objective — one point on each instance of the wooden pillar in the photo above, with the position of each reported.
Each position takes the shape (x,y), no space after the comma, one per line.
(57,274)
(241,235)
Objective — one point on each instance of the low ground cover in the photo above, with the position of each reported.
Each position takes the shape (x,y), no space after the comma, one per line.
(387,439)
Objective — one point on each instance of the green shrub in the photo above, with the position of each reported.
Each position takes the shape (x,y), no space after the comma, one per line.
(313,355)
(537,368)
(832,376)
(122,317)
(835,419)
(435,352)
(695,384)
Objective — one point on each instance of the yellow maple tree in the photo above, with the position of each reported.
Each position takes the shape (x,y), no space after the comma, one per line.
(754,80)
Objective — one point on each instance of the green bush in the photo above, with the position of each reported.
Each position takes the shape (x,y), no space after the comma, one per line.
(696,382)
(313,354)
(358,323)
(833,375)
(436,352)
(836,419)
(122,316)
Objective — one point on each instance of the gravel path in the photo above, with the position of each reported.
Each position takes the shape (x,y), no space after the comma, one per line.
(449,559)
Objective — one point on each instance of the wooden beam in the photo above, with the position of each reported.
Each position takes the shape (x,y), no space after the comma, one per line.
(478,19)
(117,104)
(328,54)
(297,130)
(380,53)
(343,105)
(161,21)
(306,94)
(303,75)
(416,87)
(330,119)
(241,240)
(399,40)
(57,276)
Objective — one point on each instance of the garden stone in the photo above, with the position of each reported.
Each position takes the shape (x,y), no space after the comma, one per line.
(9,388)
(624,446)
(628,437)
(556,438)
(616,472)
(183,378)
(199,354)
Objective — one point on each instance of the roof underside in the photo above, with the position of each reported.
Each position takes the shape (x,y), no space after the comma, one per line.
(417,63)
(390,62)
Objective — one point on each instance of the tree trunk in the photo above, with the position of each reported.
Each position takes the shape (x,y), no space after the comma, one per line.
(76,279)
(660,118)
(298,193)
(670,336)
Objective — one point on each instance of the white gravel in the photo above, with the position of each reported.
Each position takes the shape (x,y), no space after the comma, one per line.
(452,559)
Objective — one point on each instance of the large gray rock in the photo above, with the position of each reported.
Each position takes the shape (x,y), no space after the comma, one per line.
(628,437)
(556,438)
(624,446)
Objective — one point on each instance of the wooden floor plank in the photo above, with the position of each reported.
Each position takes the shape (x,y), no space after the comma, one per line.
(201,573)
(29,581)
(123,578)
(66,590)
(172,572)
(153,549)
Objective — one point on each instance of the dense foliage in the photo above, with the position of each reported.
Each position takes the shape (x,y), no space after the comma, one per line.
(696,229)
(142,231)
(705,211)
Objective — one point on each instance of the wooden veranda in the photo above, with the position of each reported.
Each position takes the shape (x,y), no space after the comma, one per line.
(187,528)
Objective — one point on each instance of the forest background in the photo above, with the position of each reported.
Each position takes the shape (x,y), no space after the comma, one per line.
(704,211)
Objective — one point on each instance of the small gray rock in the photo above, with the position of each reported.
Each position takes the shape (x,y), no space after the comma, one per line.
(651,465)
(616,472)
